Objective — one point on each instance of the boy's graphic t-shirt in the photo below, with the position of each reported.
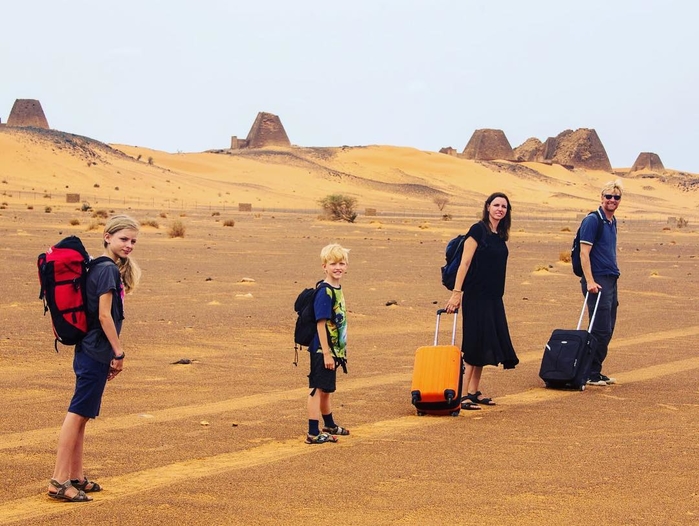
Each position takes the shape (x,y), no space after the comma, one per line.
(336,320)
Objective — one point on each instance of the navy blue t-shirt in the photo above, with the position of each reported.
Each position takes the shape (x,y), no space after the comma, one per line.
(102,278)
(603,253)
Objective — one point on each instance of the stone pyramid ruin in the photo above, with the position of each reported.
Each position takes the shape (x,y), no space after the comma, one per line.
(581,148)
(27,112)
(267,130)
(648,162)
(529,151)
(488,145)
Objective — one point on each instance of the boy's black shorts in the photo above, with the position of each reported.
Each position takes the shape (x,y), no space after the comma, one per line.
(320,377)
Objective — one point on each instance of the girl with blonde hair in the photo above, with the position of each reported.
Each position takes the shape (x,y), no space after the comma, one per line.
(99,356)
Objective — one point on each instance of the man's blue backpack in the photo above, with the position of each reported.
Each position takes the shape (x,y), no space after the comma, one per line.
(575,249)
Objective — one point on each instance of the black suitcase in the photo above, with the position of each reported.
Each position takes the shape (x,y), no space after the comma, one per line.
(568,355)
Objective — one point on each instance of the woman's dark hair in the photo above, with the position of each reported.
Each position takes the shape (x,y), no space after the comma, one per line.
(505,222)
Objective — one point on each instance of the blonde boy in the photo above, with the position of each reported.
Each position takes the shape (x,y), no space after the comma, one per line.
(329,347)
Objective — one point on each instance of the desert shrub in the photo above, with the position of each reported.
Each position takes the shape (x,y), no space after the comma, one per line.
(214,214)
(446,217)
(229,222)
(565,229)
(339,207)
(177,229)
(4,181)
(47,209)
(30,207)
(139,157)
(564,256)
(116,188)
(100,213)
(682,222)
(75,222)
(95,225)
(163,215)
(150,160)
(85,207)
(540,268)
(441,202)
(3,206)
(96,185)
(150,222)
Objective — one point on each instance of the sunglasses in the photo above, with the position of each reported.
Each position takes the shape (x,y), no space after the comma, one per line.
(610,196)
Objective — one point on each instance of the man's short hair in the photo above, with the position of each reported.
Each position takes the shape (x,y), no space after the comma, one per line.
(613,186)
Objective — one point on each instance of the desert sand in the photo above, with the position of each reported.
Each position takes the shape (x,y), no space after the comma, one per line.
(220,440)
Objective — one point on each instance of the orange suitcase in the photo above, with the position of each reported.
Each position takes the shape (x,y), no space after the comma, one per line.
(438,376)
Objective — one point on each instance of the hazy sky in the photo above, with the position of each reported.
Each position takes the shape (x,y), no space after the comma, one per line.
(183,75)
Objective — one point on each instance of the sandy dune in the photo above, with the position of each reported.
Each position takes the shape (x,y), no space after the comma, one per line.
(219,441)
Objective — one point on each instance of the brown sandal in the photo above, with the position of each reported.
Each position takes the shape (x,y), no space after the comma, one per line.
(60,493)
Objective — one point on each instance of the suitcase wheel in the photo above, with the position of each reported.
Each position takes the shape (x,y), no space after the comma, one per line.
(582,387)
(420,413)
(454,413)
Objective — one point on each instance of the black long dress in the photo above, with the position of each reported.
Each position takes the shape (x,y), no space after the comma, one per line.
(486,337)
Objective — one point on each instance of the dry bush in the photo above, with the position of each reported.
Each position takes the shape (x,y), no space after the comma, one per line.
(215,214)
(100,213)
(441,202)
(446,217)
(75,222)
(163,215)
(150,222)
(339,207)
(47,209)
(229,222)
(177,229)
(564,256)
(682,222)
(539,268)
(565,229)
(30,207)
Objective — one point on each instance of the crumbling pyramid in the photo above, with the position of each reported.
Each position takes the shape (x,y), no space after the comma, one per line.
(267,130)
(648,161)
(581,148)
(529,151)
(488,145)
(27,112)
(448,150)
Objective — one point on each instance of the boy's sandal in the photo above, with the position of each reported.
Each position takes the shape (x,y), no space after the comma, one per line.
(467,405)
(337,430)
(483,401)
(88,486)
(320,439)
(60,493)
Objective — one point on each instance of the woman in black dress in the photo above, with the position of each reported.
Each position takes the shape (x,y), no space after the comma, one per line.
(478,291)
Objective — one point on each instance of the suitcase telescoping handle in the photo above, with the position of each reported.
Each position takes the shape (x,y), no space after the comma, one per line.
(594,312)
(453,330)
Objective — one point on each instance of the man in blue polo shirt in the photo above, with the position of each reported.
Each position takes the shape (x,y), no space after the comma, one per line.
(600,274)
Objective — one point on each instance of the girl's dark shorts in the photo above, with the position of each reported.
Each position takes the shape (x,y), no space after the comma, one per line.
(90,380)
(320,377)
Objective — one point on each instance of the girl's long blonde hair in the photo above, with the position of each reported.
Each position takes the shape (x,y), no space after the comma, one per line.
(128,268)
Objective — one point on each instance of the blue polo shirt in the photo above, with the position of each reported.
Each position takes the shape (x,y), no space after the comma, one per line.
(603,253)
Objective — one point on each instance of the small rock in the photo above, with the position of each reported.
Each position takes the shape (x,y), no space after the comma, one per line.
(391,302)
(204,423)
(183,361)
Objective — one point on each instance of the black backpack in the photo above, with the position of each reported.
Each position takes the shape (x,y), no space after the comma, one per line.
(454,251)
(306,326)
(575,250)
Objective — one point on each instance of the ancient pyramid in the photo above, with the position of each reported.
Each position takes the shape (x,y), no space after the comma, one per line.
(27,112)
(267,130)
(488,145)
(647,161)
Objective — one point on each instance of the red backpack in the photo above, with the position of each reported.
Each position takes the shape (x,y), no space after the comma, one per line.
(62,276)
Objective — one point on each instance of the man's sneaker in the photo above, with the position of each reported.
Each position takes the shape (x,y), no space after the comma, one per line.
(596,380)
(609,381)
